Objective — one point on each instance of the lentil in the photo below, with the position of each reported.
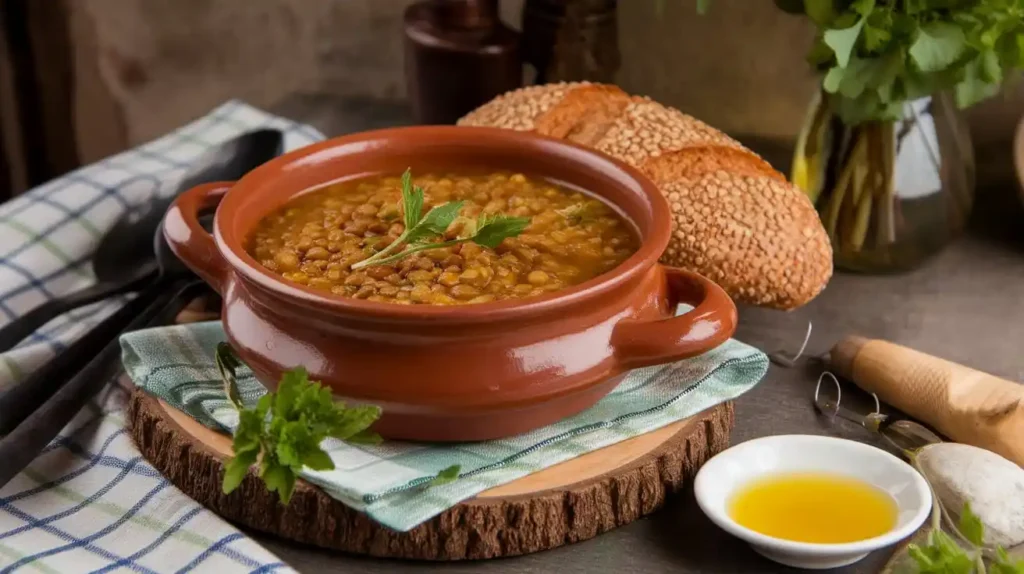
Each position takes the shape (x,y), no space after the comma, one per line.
(315,238)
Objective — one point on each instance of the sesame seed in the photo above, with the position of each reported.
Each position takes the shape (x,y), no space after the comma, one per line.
(734,219)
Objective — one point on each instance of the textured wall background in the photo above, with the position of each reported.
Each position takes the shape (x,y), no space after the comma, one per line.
(146,67)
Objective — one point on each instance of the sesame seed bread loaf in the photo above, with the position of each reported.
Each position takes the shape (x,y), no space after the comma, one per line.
(736,220)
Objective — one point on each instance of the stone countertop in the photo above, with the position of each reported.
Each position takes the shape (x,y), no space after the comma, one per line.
(966,305)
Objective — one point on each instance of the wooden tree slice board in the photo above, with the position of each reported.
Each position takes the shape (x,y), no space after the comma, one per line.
(566,503)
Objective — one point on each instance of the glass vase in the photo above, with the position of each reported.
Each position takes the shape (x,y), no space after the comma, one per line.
(890,193)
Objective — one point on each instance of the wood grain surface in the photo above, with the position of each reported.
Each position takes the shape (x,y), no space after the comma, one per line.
(572,501)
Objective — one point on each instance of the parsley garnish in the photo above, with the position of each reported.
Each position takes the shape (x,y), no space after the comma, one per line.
(487,230)
(282,434)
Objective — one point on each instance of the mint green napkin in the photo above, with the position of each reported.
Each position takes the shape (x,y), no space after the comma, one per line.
(386,481)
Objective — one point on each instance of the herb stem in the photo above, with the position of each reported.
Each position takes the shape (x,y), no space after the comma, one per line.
(383,253)
(406,252)
(389,248)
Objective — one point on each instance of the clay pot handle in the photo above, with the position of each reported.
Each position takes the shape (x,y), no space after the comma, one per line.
(640,343)
(187,238)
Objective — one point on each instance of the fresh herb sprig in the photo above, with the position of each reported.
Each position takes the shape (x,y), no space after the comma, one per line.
(963,551)
(878,54)
(421,231)
(941,554)
(282,434)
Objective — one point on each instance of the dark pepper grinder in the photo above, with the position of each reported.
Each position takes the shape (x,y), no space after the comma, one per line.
(458,55)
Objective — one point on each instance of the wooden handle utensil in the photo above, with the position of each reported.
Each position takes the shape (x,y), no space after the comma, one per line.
(966,405)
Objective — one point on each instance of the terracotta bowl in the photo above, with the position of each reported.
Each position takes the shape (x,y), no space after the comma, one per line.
(460,373)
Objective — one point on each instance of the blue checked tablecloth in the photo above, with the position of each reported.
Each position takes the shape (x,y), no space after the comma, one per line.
(388,481)
(89,502)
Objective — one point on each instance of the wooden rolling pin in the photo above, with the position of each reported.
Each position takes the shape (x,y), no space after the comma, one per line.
(966,405)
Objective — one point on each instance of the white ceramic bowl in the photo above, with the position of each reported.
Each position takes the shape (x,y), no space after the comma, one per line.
(719,479)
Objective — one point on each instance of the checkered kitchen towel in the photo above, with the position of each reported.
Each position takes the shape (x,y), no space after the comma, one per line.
(177,364)
(89,502)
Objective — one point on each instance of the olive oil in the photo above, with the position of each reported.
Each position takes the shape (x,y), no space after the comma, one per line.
(814,507)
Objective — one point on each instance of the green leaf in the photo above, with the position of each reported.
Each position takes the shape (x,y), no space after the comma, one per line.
(854,79)
(364,437)
(880,72)
(863,7)
(292,441)
(903,27)
(412,201)
(285,429)
(971,527)
(843,41)
(249,432)
(822,12)
(318,460)
(1003,564)
(317,407)
(435,223)
(875,38)
(877,30)
(702,6)
(236,468)
(491,231)
(938,45)
(914,7)
(355,420)
(450,474)
(833,79)
(990,70)
(973,88)
(998,568)
(280,479)
(288,390)
(263,407)
(941,556)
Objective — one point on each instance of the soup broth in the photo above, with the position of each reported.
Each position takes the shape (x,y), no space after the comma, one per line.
(316,238)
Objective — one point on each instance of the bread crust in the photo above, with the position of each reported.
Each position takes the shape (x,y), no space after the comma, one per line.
(735,219)
(584,114)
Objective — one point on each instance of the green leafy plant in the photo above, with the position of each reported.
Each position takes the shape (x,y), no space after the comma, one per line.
(281,435)
(941,554)
(963,551)
(877,54)
(422,231)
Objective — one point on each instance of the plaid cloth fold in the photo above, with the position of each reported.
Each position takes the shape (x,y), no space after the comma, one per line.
(386,481)
(90,502)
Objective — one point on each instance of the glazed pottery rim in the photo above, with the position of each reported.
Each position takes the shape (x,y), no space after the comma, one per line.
(726,522)
(652,244)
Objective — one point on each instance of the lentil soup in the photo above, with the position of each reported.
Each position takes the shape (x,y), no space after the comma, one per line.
(315,239)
